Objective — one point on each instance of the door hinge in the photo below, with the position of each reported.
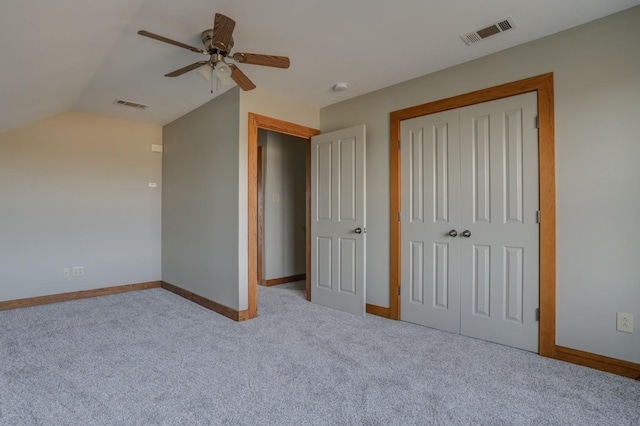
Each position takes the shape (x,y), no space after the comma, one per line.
(399,290)
(399,216)
(399,145)
(537,216)
(536,122)
(537,314)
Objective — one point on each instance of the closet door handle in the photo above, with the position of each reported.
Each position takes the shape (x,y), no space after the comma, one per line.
(466,233)
(358,230)
(453,233)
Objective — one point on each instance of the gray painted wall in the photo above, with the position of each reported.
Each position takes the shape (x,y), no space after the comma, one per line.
(200,200)
(284,194)
(597,105)
(74,191)
(263,103)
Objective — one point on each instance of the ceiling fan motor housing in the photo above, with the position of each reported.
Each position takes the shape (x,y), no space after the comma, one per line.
(207,41)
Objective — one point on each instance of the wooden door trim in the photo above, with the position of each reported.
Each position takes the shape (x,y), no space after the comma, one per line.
(260,214)
(543,85)
(257,122)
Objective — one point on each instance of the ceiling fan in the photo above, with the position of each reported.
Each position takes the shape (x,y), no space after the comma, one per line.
(218,43)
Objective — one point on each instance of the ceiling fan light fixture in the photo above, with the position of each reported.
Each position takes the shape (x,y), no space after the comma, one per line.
(205,72)
(223,71)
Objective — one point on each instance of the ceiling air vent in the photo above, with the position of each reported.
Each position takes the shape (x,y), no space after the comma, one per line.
(130,104)
(491,30)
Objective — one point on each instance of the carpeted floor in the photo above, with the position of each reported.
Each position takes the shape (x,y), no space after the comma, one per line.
(151,357)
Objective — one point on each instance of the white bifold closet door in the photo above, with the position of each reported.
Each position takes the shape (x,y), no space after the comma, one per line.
(470,236)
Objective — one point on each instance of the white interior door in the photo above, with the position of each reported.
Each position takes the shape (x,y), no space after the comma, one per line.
(338,220)
(499,201)
(470,239)
(430,211)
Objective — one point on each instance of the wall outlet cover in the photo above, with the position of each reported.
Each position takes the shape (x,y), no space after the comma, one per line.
(624,322)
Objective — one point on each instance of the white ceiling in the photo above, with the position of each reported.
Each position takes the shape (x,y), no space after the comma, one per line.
(81,55)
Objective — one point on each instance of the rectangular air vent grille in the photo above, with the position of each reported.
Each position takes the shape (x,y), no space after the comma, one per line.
(490,31)
(504,25)
(131,104)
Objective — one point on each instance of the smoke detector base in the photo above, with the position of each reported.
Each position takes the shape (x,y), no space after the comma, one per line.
(340,87)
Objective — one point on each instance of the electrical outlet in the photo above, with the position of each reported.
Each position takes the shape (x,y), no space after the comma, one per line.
(66,272)
(624,322)
(76,271)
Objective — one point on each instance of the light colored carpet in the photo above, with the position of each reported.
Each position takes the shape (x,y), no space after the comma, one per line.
(151,357)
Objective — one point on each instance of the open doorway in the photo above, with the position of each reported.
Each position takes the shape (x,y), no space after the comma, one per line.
(257,122)
(281,201)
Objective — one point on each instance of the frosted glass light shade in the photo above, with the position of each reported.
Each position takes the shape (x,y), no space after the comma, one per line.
(205,72)
(223,71)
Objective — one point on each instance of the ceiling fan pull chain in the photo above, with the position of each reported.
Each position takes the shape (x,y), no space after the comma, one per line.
(213,77)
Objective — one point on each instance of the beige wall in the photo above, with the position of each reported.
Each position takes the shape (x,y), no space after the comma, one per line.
(74,192)
(200,201)
(597,105)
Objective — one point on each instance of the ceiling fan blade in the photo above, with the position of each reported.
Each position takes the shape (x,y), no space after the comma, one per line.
(168,40)
(222,31)
(241,79)
(186,69)
(266,60)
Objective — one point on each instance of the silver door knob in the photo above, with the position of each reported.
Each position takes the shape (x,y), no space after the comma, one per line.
(453,233)
(358,231)
(466,233)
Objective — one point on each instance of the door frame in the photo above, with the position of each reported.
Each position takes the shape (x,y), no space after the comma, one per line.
(257,122)
(260,214)
(543,85)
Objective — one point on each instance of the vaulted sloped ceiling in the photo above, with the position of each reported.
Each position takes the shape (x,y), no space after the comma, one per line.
(50,51)
(81,55)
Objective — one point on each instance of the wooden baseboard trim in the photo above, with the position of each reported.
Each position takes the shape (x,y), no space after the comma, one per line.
(379,311)
(75,295)
(207,303)
(284,280)
(599,362)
